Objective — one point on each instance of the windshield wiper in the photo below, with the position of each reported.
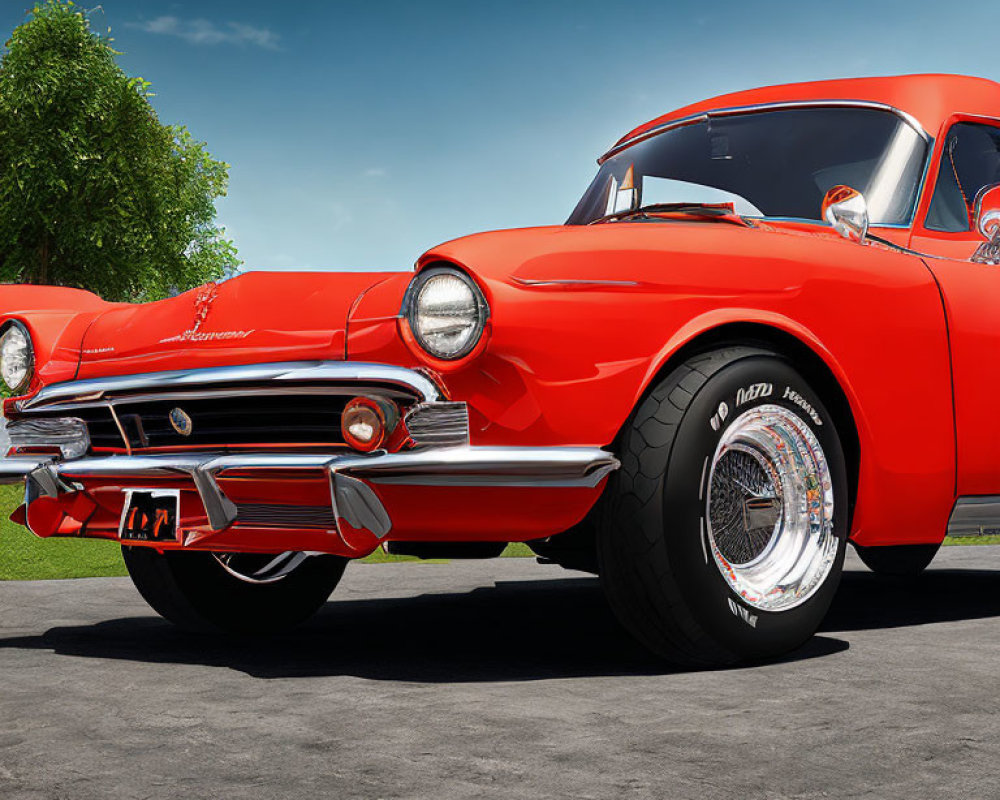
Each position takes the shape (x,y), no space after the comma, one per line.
(722,212)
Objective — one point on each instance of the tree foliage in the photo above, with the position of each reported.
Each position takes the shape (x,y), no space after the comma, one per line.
(94,191)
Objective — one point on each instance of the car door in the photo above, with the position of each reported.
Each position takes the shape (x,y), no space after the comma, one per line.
(967,160)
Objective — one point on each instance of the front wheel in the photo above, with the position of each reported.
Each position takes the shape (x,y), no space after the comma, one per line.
(231,592)
(724,531)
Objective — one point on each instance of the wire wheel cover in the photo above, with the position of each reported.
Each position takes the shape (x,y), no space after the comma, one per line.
(745,505)
(769,509)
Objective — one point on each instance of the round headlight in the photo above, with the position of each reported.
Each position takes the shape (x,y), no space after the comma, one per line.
(17,358)
(363,424)
(446,311)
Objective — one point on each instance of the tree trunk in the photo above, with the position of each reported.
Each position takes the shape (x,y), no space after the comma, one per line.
(43,261)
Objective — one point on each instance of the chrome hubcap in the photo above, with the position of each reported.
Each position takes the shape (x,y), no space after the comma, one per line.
(260,568)
(769,509)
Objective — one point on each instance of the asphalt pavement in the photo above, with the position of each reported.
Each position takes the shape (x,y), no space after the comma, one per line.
(498,679)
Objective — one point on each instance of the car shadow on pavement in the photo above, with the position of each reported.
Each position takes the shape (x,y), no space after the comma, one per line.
(867,601)
(512,631)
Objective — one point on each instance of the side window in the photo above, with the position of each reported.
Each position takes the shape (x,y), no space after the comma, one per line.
(970,161)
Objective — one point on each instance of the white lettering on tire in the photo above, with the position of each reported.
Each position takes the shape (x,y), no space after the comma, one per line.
(719,416)
(742,613)
(753,392)
(794,397)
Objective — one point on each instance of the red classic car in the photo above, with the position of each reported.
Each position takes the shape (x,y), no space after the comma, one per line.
(766,329)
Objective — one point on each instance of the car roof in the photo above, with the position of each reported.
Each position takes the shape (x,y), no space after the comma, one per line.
(929,99)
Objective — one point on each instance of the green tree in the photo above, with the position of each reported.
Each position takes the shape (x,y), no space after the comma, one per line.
(94,191)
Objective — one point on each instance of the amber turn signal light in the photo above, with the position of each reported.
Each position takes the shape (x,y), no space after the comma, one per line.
(363,424)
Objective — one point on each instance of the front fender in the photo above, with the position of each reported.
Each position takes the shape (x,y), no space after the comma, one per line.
(586,318)
(57,319)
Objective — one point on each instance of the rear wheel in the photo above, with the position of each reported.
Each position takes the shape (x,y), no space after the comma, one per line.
(898,561)
(724,531)
(233,592)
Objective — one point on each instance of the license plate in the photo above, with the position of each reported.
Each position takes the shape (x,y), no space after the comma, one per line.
(150,515)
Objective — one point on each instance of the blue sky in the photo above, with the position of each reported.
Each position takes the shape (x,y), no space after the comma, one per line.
(360,134)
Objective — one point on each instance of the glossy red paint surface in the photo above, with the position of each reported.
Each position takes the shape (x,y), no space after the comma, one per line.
(57,318)
(567,364)
(464,513)
(584,319)
(255,318)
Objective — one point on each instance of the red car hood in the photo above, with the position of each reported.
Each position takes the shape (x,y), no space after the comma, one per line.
(566,252)
(254,318)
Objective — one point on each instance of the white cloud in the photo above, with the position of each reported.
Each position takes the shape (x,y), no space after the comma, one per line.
(375,172)
(204,31)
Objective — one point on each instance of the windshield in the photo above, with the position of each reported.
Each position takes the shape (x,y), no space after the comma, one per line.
(772,163)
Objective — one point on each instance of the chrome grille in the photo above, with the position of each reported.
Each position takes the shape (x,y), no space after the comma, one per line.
(272,515)
(296,419)
(69,434)
(295,405)
(439,424)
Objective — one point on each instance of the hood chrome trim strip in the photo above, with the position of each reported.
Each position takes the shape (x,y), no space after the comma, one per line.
(100,390)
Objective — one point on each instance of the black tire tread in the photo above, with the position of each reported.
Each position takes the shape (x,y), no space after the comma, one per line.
(635,565)
(898,561)
(192,591)
(154,581)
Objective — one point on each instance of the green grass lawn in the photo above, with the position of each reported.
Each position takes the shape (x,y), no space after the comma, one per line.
(961,540)
(24,556)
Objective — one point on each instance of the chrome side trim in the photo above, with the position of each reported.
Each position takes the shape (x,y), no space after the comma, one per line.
(975,516)
(908,118)
(93,390)
(572,282)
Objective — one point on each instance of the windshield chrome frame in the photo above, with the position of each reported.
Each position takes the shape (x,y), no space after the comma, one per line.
(730,111)
(704,116)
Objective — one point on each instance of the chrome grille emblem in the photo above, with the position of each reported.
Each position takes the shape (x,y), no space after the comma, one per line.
(181,422)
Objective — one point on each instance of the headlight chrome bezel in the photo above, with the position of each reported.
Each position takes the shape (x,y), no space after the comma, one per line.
(411,310)
(25,382)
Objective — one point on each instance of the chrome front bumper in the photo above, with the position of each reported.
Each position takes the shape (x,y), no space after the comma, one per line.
(438,428)
(352,499)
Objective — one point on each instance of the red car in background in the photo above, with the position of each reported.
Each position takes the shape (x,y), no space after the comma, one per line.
(768,328)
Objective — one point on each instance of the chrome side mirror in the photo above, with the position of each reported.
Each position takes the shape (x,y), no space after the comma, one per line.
(847,212)
(986,213)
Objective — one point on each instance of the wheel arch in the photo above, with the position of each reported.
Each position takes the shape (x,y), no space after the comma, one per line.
(804,356)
